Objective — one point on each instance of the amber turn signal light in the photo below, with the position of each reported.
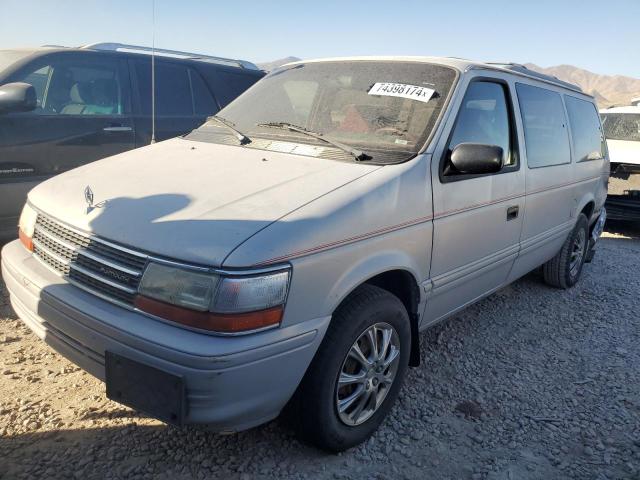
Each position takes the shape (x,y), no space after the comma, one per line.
(215,322)
(25,240)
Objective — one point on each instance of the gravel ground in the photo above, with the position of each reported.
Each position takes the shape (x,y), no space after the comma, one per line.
(530,383)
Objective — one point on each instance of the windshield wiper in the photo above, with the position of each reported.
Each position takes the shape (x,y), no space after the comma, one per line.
(242,138)
(359,155)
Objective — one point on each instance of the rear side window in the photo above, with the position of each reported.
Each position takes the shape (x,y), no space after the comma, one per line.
(180,91)
(585,129)
(228,85)
(545,126)
(173,91)
(203,102)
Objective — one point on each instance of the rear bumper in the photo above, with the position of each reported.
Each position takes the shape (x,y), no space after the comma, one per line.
(596,231)
(232,383)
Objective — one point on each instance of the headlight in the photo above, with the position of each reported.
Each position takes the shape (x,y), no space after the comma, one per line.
(26,226)
(178,286)
(212,301)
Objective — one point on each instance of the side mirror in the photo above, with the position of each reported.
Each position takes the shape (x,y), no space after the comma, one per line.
(17,97)
(476,158)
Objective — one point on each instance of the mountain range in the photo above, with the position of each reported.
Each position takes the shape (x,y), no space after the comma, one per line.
(608,90)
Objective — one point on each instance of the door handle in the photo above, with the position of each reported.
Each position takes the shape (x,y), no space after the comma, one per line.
(117,129)
(512,212)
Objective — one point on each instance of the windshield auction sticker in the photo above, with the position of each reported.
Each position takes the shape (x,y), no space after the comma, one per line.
(414,92)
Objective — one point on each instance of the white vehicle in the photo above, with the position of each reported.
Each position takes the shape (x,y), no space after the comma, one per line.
(622,131)
(289,251)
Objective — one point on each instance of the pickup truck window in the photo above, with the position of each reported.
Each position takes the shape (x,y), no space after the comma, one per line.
(621,126)
(344,102)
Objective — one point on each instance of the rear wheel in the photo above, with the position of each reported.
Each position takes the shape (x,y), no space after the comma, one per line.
(563,270)
(357,372)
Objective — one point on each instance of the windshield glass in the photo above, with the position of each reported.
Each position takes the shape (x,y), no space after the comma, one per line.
(9,57)
(385,109)
(621,126)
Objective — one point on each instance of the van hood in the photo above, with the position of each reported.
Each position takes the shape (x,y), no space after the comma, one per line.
(623,151)
(189,200)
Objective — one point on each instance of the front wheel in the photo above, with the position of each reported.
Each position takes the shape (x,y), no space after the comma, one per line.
(357,372)
(563,270)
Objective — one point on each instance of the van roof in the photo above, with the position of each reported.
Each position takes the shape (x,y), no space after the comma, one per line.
(460,64)
(141,50)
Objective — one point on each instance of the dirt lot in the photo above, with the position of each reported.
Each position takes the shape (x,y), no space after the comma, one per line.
(530,383)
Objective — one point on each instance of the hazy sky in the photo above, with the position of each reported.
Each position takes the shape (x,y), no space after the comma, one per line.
(601,36)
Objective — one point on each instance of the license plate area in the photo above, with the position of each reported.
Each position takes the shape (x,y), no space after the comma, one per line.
(148,389)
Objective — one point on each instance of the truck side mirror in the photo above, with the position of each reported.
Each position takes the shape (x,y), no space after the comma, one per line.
(17,97)
(476,158)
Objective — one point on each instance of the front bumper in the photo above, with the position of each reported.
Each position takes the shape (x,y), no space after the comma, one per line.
(232,383)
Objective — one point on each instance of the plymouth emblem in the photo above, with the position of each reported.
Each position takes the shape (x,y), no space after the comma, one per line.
(88,196)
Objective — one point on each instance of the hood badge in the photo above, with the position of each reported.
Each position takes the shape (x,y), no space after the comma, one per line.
(88,197)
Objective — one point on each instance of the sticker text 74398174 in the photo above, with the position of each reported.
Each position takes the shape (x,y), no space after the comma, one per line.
(414,92)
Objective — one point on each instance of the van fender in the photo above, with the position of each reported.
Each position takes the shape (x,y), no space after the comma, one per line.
(369,267)
(582,202)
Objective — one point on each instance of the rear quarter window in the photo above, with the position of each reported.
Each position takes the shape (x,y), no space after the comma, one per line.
(228,85)
(586,133)
(545,126)
(203,102)
(173,89)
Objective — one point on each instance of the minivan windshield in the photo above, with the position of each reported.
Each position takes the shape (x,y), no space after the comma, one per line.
(386,110)
(621,126)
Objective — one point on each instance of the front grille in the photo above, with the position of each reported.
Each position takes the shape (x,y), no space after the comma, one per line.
(106,269)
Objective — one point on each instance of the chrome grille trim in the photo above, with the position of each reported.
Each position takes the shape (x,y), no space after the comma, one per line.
(51,253)
(99,267)
(75,245)
(102,279)
(84,252)
(55,238)
(117,266)
(98,294)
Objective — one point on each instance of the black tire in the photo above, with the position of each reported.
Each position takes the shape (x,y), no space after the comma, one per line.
(313,411)
(558,271)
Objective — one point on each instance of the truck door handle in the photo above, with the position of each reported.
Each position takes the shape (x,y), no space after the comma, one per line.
(117,129)
(512,212)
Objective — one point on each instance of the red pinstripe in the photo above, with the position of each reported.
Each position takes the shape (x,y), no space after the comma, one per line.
(409,223)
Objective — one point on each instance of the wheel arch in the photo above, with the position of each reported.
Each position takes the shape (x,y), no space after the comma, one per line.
(397,277)
(587,206)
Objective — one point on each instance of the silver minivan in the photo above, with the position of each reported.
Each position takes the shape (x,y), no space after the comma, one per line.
(288,252)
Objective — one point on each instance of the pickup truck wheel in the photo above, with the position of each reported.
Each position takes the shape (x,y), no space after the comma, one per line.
(563,270)
(357,372)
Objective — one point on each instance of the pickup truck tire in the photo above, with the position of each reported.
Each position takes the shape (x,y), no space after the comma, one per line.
(563,270)
(375,323)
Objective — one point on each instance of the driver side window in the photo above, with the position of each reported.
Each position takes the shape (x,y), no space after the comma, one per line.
(483,118)
(67,87)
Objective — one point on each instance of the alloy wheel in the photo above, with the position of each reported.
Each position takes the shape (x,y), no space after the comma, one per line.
(367,374)
(577,252)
